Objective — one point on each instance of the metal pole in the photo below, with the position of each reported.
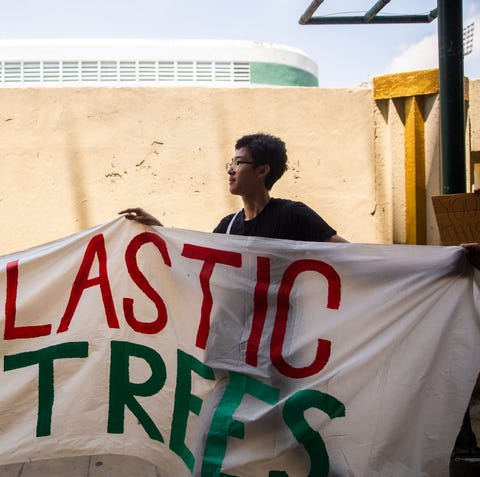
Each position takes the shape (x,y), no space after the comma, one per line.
(432,15)
(375,9)
(360,20)
(307,14)
(452,106)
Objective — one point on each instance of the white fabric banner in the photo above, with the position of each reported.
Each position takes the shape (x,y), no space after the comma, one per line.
(218,355)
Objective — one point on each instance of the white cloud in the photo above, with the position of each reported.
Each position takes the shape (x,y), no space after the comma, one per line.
(420,56)
(424,55)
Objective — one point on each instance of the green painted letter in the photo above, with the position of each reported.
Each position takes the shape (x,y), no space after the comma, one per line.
(186,402)
(223,423)
(293,415)
(123,392)
(45,358)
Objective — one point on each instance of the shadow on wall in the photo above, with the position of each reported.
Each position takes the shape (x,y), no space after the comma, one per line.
(76,175)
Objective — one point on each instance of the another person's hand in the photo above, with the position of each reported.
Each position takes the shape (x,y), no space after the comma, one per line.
(141,216)
(473,253)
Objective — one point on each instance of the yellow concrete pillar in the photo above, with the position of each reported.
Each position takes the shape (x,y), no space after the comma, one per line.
(409,93)
(411,87)
(415,180)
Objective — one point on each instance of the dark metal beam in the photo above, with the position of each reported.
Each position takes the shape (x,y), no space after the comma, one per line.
(379,19)
(372,13)
(307,14)
(452,95)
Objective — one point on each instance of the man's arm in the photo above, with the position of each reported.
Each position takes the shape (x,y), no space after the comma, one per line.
(141,216)
(336,238)
(473,253)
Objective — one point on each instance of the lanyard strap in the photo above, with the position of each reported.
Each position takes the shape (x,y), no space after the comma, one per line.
(229,228)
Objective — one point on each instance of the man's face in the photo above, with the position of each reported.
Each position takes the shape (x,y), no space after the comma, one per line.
(243,176)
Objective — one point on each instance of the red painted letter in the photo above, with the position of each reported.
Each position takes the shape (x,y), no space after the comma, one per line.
(283,305)
(11,331)
(260,306)
(210,256)
(96,247)
(139,278)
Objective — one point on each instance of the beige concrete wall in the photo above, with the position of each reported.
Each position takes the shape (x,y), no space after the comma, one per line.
(72,158)
(473,134)
(474,114)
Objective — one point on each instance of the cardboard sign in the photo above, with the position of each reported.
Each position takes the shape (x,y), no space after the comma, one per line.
(458,218)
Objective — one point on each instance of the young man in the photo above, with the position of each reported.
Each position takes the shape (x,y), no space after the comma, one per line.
(259,161)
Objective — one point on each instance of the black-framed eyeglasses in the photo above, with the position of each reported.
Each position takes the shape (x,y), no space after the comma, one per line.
(234,164)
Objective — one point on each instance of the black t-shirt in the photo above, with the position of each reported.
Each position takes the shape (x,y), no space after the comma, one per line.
(280,218)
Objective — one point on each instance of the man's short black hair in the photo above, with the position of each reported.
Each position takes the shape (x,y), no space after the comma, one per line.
(266,149)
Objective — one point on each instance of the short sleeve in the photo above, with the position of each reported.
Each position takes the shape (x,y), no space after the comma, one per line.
(221,228)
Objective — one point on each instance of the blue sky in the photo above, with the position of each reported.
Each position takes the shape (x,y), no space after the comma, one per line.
(347,56)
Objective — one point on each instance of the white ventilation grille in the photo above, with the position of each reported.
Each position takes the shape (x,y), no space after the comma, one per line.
(139,71)
(70,71)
